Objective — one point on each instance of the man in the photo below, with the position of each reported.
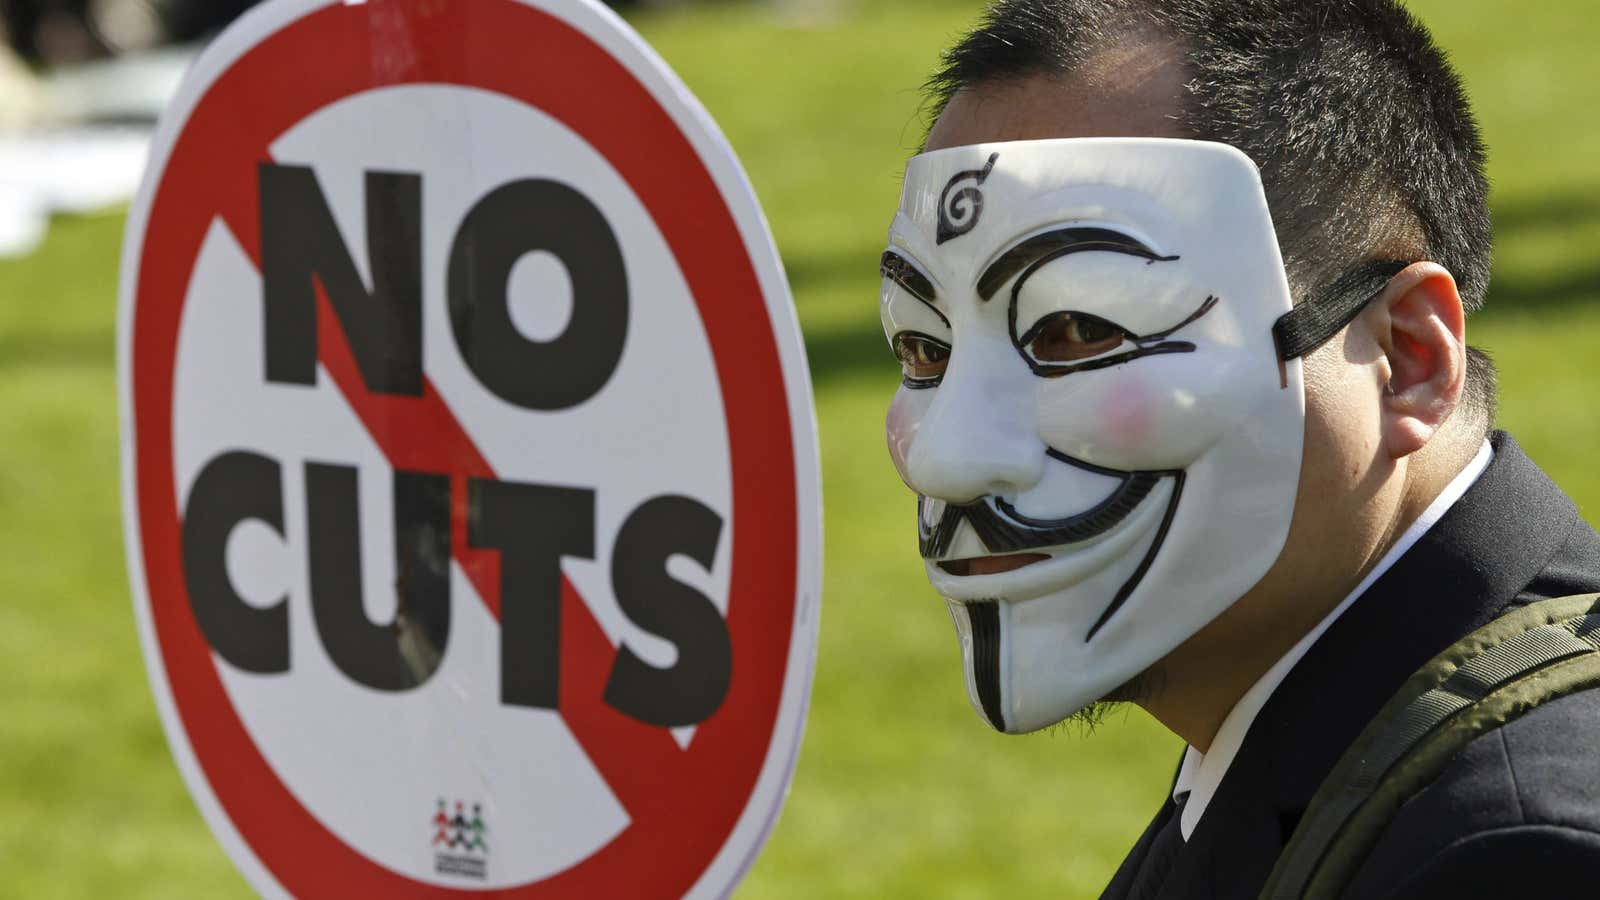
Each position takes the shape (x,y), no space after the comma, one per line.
(1157,463)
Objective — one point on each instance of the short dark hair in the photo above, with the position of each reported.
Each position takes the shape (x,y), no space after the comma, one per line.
(1364,137)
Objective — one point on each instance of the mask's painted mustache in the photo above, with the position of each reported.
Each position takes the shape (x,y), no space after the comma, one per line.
(1005,530)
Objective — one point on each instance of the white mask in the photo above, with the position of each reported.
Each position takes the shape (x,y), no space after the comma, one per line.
(1113,406)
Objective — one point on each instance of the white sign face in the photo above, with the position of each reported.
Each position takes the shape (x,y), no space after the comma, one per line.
(469,462)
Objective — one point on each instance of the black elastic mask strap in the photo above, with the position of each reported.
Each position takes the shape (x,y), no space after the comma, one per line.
(1309,325)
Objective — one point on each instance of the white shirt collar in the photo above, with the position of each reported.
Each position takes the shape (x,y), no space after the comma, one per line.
(1201,774)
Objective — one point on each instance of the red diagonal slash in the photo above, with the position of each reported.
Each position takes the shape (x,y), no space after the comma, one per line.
(682,804)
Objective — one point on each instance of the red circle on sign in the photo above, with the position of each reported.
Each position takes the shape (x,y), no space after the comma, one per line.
(682,804)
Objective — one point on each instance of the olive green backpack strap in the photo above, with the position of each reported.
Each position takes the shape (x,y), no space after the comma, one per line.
(1532,655)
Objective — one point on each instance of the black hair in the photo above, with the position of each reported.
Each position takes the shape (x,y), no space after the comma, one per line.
(1365,141)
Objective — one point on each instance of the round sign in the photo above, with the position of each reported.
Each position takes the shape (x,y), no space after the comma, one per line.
(469,463)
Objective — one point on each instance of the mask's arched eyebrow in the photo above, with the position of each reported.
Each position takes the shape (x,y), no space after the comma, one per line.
(903,272)
(1042,248)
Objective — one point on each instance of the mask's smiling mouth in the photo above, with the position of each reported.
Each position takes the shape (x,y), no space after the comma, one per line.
(990,565)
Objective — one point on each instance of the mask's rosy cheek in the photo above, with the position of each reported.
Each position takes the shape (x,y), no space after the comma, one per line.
(1110,420)
(900,428)
(1149,415)
(1127,416)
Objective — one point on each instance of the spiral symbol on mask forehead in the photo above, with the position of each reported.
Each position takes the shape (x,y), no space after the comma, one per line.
(961,204)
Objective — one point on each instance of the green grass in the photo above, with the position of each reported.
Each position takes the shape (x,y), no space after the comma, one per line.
(901,791)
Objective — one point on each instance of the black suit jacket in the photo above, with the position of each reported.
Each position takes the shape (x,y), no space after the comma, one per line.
(1515,815)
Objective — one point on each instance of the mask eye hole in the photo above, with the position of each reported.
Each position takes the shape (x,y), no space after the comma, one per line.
(1071,336)
(923,359)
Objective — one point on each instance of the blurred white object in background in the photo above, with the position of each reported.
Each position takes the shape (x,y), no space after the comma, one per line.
(77,169)
(75,141)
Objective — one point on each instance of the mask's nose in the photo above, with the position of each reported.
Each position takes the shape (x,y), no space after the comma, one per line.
(978,436)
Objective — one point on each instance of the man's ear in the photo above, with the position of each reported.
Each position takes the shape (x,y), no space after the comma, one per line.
(1420,326)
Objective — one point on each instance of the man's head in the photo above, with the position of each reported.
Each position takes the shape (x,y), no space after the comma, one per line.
(1367,153)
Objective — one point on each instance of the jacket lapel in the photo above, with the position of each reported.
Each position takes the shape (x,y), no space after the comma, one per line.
(1122,883)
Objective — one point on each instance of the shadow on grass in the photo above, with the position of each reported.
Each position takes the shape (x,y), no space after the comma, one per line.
(807,270)
(853,348)
(851,352)
(61,350)
(1546,211)
(1519,290)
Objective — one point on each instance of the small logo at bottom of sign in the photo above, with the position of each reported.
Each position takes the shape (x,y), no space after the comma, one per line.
(460,841)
